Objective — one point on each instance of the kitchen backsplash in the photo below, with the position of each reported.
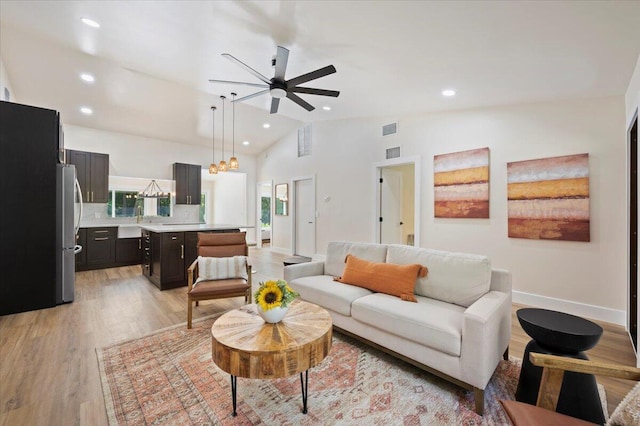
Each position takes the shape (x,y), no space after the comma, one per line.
(96,214)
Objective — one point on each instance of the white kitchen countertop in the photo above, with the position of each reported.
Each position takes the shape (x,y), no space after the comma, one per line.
(176,227)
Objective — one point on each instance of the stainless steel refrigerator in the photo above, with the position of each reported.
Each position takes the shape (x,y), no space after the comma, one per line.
(68,213)
(35,271)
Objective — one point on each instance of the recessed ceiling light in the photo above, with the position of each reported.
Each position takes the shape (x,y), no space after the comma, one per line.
(266,125)
(87,77)
(90,22)
(245,143)
(86,110)
(448,92)
(326,108)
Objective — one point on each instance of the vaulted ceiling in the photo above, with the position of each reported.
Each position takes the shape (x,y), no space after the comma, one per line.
(152,60)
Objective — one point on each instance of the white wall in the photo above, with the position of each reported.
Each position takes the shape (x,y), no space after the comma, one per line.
(135,156)
(583,273)
(5,83)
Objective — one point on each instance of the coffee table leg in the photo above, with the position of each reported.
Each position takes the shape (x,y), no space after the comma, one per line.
(234,384)
(305,390)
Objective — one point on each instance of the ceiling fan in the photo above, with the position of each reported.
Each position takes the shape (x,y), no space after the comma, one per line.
(278,87)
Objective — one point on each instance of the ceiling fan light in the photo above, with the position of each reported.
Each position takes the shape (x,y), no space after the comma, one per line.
(233,163)
(213,169)
(278,93)
(223,166)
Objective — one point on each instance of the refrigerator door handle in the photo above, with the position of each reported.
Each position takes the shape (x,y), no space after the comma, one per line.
(77,227)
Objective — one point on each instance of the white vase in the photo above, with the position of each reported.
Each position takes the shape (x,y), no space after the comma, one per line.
(273,315)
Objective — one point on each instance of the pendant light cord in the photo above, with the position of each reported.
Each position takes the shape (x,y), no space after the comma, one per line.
(223,98)
(233,104)
(213,135)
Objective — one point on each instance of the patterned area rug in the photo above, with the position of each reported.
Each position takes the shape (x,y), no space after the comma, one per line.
(169,378)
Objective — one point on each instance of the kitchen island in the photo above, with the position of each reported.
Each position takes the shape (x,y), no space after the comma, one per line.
(169,249)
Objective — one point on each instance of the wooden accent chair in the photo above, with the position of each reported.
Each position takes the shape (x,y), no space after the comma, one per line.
(554,367)
(218,245)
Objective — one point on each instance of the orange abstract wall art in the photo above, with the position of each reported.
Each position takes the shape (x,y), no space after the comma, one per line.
(549,198)
(461,184)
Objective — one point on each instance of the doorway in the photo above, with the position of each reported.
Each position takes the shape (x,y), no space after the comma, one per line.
(304,216)
(265,211)
(398,202)
(632,321)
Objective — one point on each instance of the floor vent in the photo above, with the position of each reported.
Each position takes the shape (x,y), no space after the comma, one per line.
(393,152)
(304,141)
(390,129)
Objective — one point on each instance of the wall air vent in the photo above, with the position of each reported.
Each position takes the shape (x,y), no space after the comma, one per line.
(393,152)
(304,141)
(390,129)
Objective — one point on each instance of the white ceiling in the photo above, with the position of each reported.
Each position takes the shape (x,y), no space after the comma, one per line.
(152,59)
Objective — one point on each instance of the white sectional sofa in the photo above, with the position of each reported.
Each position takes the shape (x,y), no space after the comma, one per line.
(459,328)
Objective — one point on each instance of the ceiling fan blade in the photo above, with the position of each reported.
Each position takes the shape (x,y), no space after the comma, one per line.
(282,56)
(329,69)
(274,105)
(238,82)
(311,91)
(262,92)
(246,67)
(297,99)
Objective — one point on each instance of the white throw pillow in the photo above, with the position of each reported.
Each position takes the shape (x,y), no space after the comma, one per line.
(221,268)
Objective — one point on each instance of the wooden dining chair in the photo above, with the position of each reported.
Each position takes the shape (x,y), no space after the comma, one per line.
(221,270)
(554,367)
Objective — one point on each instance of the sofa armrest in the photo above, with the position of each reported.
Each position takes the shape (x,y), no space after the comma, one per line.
(486,332)
(299,270)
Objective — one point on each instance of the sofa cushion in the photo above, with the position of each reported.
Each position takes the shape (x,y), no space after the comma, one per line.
(337,252)
(429,322)
(388,278)
(324,291)
(459,278)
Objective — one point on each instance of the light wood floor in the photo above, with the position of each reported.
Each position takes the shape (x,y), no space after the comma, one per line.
(48,367)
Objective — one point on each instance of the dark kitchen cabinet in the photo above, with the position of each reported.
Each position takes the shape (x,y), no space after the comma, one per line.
(190,248)
(188,183)
(128,251)
(92,171)
(101,245)
(173,268)
(81,239)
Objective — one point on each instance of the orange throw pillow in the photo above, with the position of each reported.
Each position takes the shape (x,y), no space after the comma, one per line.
(388,278)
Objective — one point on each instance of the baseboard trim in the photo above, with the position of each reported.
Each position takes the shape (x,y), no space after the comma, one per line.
(575,308)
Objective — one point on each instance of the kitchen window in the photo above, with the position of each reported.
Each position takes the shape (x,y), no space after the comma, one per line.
(125,202)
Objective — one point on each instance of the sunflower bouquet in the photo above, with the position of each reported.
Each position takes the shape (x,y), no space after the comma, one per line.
(274,294)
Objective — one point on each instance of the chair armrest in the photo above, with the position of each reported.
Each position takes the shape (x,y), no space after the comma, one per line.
(299,270)
(554,368)
(486,332)
(249,274)
(192,274)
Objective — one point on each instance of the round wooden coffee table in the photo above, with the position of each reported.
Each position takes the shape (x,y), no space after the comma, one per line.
(243,345)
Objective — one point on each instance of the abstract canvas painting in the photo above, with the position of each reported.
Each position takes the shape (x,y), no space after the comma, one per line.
(461,184)
(549,198)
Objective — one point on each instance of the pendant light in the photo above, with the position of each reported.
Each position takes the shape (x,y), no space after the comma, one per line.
(233,161)
(223,164)
(213,169)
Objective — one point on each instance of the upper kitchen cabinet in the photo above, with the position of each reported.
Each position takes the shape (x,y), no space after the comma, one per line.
(188,183)
(92,171)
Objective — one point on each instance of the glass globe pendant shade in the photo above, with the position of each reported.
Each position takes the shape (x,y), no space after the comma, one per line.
(213,169)
(233,163)
(222,166)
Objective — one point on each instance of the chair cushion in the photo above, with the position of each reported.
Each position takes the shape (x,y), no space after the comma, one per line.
(429,322)
(220,288)
(628,411)
(324,291)
(222,244)
(337,252)
(388,278)
(459,278)
(522,414)
(220,268)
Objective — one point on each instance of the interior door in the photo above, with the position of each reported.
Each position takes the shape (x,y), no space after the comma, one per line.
(305,218)
(390,206)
